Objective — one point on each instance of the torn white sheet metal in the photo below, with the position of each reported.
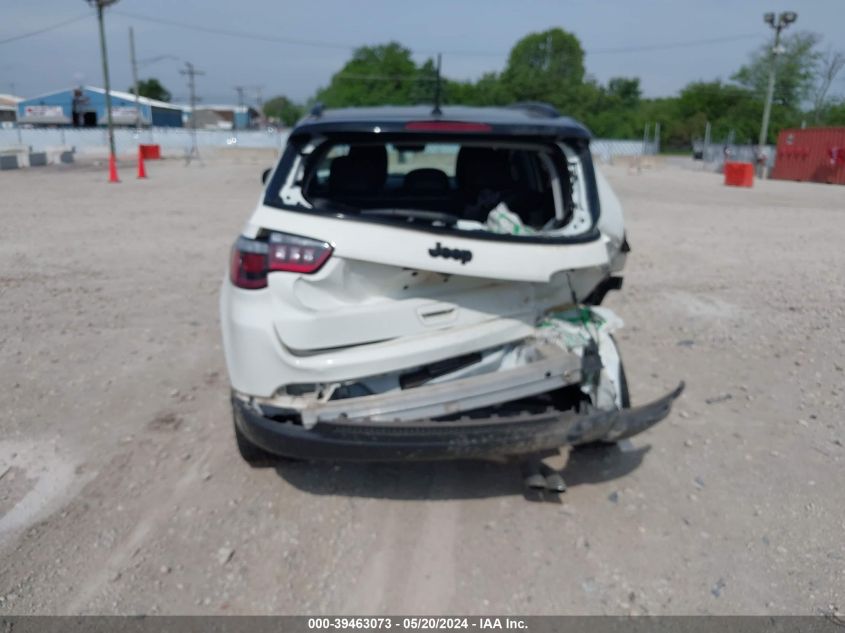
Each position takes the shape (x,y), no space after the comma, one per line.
(455,396)
(573,331)
(547,361)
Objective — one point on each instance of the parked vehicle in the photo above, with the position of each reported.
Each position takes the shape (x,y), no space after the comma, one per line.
(427,285)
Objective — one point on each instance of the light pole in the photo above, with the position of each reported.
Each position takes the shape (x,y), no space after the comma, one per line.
(101,5)
(783,20)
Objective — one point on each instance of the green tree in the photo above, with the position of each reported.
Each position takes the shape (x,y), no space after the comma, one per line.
(829,64)
(610,111)
(487,91)
(152,89)
(727,107)
(835,114)
(283,109)
(624,91)
(547,66)
(376,75)
(795,70)
(424,83)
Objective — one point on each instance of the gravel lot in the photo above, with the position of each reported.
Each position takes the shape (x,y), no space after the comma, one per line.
(121,490)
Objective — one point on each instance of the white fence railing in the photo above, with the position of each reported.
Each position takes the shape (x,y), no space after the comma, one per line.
(718,153)
(605,149)
(179,139)
(127,139)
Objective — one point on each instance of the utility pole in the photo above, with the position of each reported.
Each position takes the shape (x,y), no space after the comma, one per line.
(784,19)
(101,5)
(259,103)
(240,91)
(191,73)
(135,80)
(657,137)
(17,122)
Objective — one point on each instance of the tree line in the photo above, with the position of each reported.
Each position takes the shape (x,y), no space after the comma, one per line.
(549,67)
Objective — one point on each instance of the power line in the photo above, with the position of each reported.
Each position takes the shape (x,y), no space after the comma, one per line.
(234,33)
(345,46)
(45,29)
(342,46)
(666,47)
(353,76)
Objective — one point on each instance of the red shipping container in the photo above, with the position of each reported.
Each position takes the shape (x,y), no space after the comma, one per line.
(150,152)
(739,174)
(812,154)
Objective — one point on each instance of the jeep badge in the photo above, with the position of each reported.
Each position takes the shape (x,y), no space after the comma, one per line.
(450,253)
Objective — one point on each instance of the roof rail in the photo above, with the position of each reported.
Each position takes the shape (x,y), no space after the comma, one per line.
(536,108)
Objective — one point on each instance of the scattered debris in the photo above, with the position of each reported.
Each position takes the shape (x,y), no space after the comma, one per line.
(166,421)
(224,555)
(716,399)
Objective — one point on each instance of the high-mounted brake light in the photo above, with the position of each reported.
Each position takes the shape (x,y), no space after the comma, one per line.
(253,259)
(447,126)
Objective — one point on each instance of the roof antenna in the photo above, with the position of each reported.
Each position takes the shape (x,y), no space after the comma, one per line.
(437,111)
(317,110)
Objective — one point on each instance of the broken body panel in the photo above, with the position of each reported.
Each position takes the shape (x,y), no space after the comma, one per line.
(429,294)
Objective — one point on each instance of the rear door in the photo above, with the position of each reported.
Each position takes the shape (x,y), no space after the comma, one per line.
(389,279)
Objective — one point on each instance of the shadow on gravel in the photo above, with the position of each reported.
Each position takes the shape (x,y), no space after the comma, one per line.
(452,480)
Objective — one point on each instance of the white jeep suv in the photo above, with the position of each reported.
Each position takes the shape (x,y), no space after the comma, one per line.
(426,285)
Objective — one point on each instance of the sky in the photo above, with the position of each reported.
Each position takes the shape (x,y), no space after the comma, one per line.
(293,47)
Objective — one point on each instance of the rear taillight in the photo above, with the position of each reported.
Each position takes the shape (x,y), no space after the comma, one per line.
(253,259)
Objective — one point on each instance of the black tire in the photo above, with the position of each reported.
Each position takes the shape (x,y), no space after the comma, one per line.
(253,455)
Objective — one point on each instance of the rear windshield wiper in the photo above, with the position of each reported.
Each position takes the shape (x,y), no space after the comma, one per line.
(413,214)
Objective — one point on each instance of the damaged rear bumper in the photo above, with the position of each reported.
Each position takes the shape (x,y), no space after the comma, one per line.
(430,440)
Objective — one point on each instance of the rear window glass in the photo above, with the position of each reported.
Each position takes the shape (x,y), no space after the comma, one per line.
(401,158)
(502,188)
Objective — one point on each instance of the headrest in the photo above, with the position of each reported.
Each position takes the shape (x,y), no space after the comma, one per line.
(426,181)
(375,156)
(357,174)
(482,168)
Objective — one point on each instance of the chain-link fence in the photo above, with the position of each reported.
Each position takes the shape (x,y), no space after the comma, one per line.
(127,140)
(714,155)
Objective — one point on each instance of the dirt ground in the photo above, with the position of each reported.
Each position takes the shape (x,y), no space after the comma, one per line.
(121,490)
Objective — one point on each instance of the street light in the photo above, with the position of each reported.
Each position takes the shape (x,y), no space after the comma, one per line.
(100,5)
(783,20)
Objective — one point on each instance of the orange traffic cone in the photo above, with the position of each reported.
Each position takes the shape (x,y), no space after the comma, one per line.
(113,169)
(142,172)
